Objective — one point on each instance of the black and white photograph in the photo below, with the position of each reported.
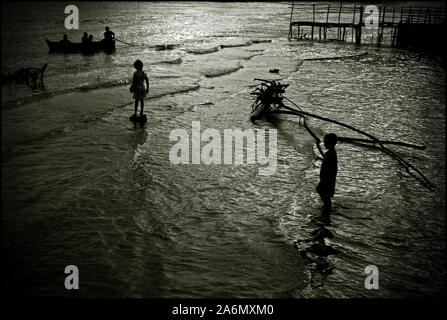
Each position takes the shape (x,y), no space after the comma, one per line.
(223,150)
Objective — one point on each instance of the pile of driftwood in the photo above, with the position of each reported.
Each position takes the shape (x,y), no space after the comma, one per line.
(269,99)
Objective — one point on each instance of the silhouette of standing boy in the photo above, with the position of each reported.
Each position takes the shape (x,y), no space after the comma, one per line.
(328,173)
(139,93)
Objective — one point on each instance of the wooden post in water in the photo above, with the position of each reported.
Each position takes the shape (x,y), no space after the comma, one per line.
(358,29)
(290,25)
(339,28)
(353,22)
(378,29)
(393,31)
(381,26)
(327,20)
(313,20)
(384,23)
(394,36)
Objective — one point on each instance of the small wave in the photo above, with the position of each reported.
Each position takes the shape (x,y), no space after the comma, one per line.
(221,72)
(251,56)
(176,61)
(98,85)
(337,57)
(117,83)
(54,133)
(202,50)
(161,47)
(20,102)
(177,91)
(206,104)
(166,77)
(194,107)
(235,45)
(261,40)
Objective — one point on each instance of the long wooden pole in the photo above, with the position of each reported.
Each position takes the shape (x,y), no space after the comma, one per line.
(404,163)
(302,114)
(382,147)
(398,143)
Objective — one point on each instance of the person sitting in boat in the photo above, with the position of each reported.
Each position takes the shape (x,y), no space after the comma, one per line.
(328,174)
(64,39)
(109,35)
(90,39)
(84,39)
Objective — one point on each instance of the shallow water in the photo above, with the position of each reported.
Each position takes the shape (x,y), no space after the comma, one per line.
(82,186)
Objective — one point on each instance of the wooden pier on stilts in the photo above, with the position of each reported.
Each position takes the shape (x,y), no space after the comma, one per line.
(397,26)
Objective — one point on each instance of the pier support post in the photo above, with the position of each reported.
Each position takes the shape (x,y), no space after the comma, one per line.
(327,20)
(313,21)
(353,23)
(290,24)
(414,27)
(358,28)
(339,28)
(381,26)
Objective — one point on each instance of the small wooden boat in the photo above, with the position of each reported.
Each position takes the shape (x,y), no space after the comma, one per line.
(75,47)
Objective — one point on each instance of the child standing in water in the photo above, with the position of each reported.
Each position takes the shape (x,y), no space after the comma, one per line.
(328,173)
(139,92)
